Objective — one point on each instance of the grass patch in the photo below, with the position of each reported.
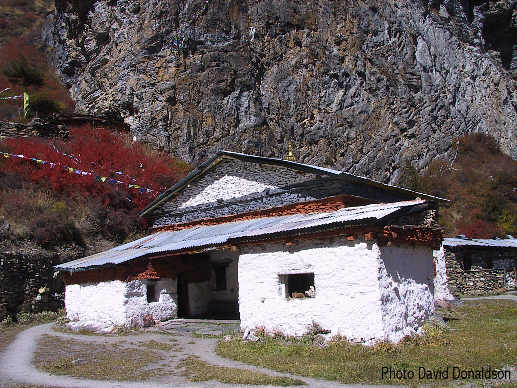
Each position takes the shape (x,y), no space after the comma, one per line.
(485,334)
(61,326)
(8,333)
(95,361)
(197,370)
(155,345)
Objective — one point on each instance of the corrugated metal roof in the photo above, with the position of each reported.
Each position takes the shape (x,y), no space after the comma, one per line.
(478,242)
(233,232)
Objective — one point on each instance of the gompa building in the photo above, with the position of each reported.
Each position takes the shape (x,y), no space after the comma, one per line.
(282,246)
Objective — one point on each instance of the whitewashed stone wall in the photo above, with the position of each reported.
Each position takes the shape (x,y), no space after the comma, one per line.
(102,306)
(137,306)
(441,283)
(96,306)
(231,180)
(356,290)
(406,284)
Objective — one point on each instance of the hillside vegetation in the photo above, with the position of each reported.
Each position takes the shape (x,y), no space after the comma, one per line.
(22,18)
(23,63)
(89,187)
(481,183)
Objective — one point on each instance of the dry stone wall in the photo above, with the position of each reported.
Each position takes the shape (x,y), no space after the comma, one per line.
(27,283)
(491,270)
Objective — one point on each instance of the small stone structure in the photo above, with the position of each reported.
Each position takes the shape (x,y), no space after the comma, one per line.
(475,267)
(283,246)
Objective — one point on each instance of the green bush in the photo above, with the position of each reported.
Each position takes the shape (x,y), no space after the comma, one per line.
(30,318)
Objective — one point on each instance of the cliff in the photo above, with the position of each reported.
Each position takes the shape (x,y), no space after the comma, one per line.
(366,86)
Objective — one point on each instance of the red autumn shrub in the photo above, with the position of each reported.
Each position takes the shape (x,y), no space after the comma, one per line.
(107,156)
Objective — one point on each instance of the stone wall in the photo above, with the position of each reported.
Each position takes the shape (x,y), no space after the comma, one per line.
(362,291)
(27,283)
(441,283)
(318,206)
(491,270)
(236,187)
(56,126)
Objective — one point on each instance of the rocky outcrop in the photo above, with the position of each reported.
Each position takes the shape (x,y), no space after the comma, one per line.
(362,85)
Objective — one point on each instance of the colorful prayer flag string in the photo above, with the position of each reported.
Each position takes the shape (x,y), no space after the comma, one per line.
(72,170)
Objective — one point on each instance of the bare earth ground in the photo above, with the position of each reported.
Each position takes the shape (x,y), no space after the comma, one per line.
(167,348)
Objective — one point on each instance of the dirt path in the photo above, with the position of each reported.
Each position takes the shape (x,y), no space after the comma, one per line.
(16,361)
(496,297)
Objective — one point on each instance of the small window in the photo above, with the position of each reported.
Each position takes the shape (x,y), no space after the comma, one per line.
(151,292)
(299,285)
(220,277)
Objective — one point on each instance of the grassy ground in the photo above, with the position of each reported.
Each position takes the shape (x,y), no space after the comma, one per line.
(136,360)
(7,334)
(9,329)
(483,334)
(197,370)
(96,361)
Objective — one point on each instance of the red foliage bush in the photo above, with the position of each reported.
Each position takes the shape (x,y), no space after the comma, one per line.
(102,153)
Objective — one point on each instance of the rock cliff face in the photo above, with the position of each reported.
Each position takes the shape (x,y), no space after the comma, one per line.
(362,85)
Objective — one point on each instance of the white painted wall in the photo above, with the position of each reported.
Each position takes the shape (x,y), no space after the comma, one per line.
(441,286)
(406,283)
(137,306)
(356,289)
(347,298)
(102,306)
(96,305)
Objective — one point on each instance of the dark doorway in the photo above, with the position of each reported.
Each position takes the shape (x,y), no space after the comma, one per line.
(183,306)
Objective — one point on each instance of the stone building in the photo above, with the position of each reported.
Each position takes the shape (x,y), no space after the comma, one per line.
(475,267)
(282,246)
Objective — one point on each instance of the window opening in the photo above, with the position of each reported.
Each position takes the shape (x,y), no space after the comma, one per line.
(299,285)
(467,263)
(220,277)
(151,292)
